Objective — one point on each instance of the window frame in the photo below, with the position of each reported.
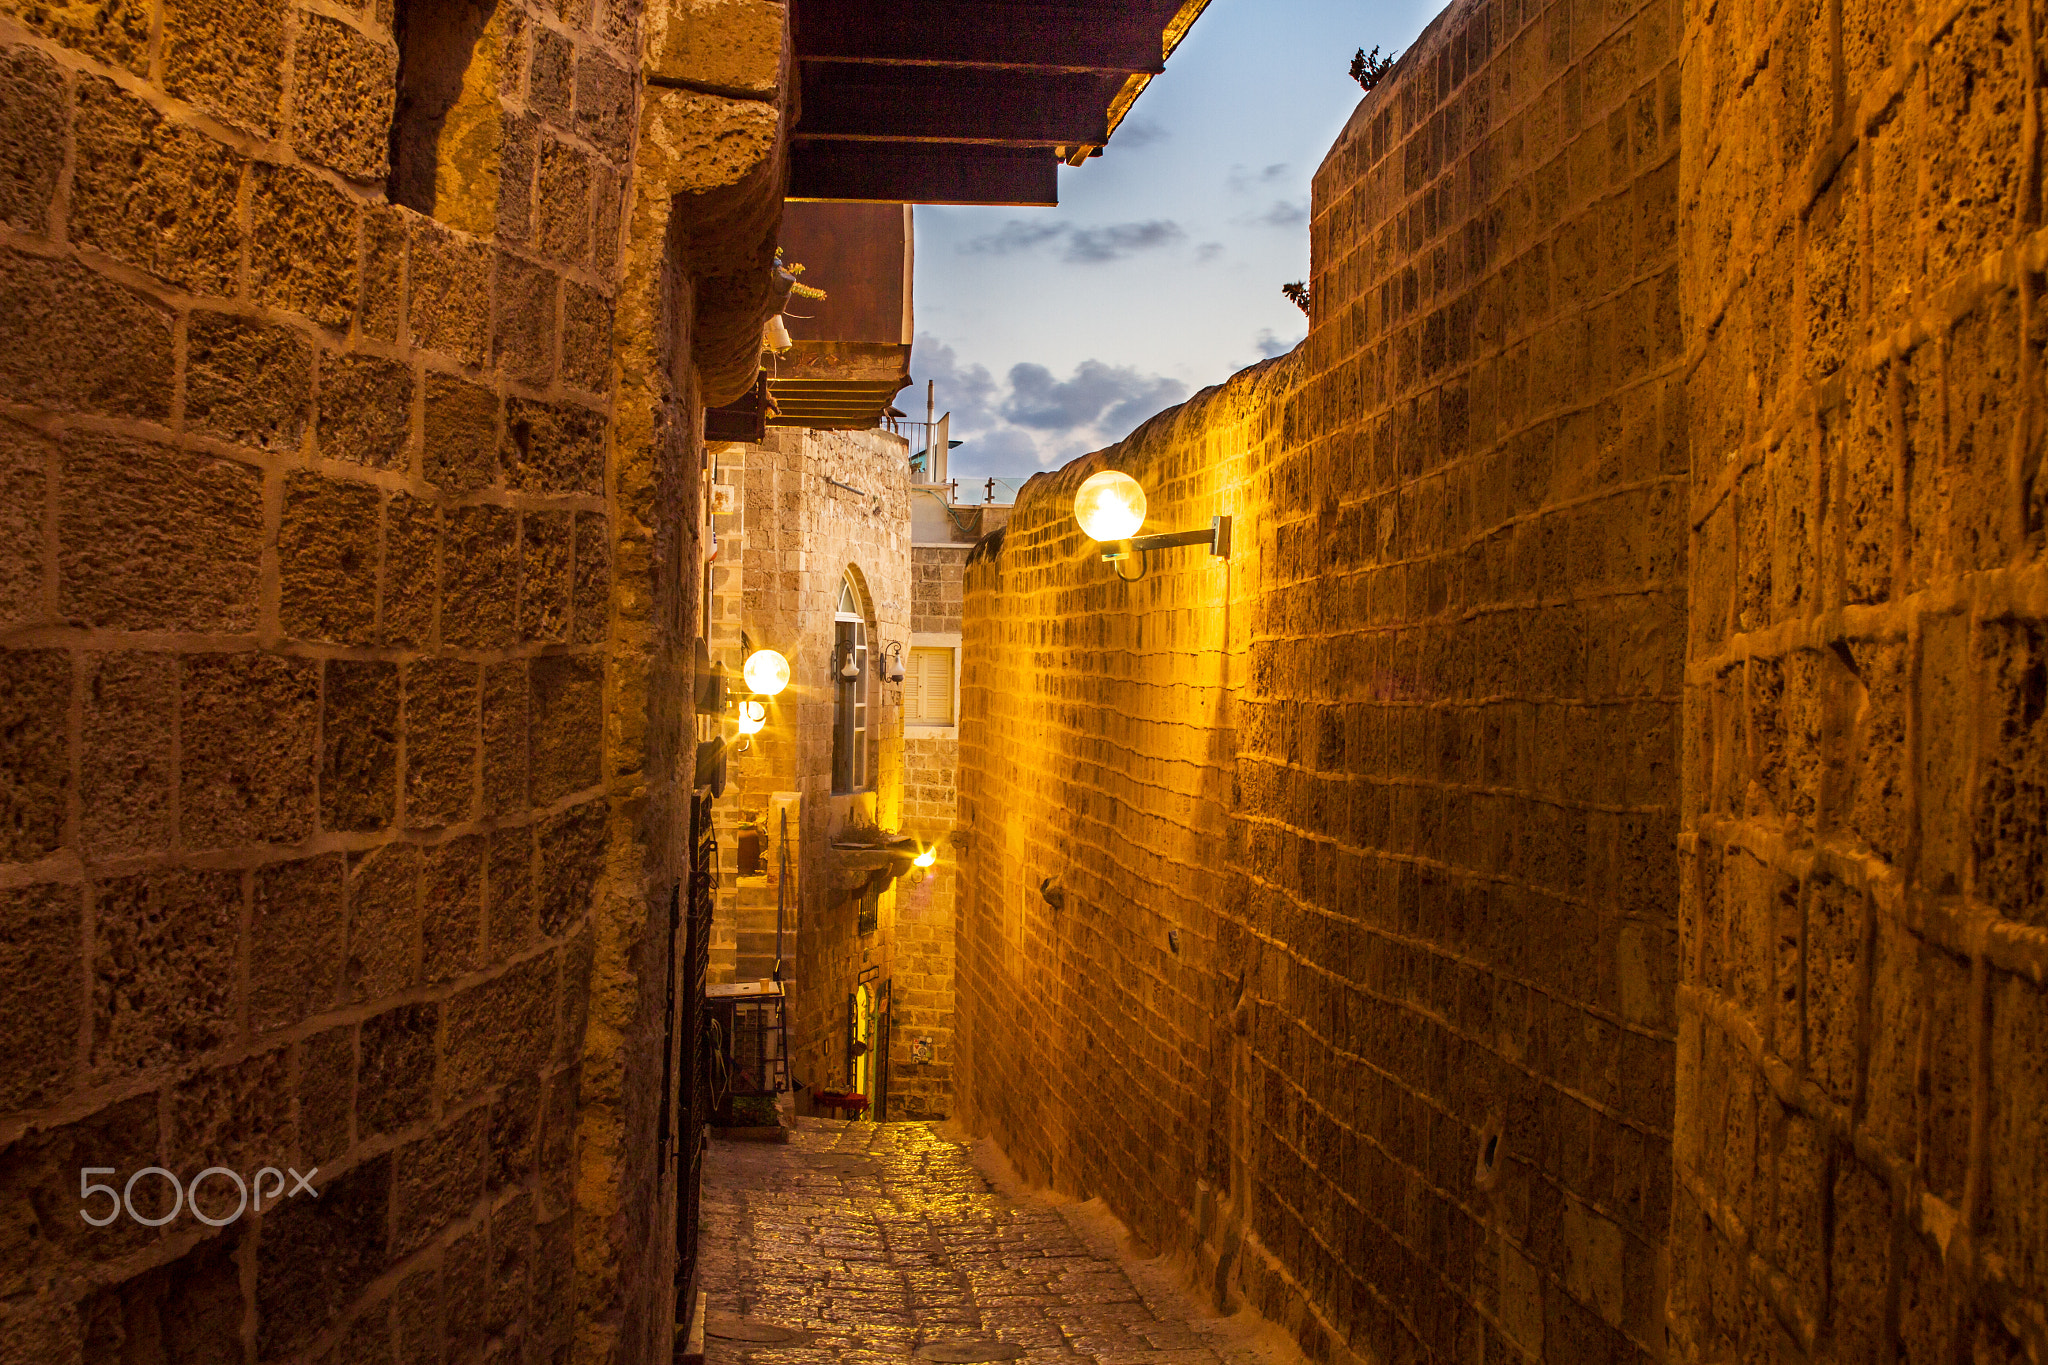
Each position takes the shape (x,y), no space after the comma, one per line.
(950,642)
(853,708)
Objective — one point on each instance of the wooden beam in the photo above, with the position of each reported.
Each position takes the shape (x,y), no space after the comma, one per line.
(995,108)
(923,173)
(1019,34)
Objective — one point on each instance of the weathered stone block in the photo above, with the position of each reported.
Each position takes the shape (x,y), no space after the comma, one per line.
(153,194)
(344,85)
(544,576)
(564,202)
(608,195)
(298,941)
(366,410)
(193,1304)
(74,340)
(42,973)
(440,1178)
(511,1254)
(326,549)
(359,746)
(451,913)
(511,925)
(197,516)
(586,338)
(164,956)
(730,44)
(248,724)
(553,447)
(35,767)
(246,382)
(317,1256)
(461,434)
(327,1085)
(380,308)
(32,136)
(500,1029)
(395,1074)
(514,1134)
(572,847)
(523,327)
(227,57)
(449,306)
(441,727)
(567,724)
(26,461)
(480,558)
(519,157)
(112,31)
(551,81)
(39,1191)
(412,568)
(383,921)
(605,104)
(126,771)
(238,1115)
(302,256)
(505,709)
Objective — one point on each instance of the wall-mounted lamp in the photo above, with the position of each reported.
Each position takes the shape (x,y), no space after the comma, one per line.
(892,662)
(752,716)
(1111,508)
(766,672)
(926,858)
(851,668)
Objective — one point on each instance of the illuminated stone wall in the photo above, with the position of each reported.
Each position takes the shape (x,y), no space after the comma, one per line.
(346,611)
(1361,848)
(1862,1071)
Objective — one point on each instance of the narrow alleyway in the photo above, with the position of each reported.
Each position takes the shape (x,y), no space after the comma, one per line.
(856,1241)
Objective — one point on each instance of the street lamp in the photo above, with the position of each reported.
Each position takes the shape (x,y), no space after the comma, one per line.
(766,672)
(1110,506)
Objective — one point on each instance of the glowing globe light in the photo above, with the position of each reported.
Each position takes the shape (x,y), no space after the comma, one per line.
(1110,506)
(752,717)
(926,858)
(767,672)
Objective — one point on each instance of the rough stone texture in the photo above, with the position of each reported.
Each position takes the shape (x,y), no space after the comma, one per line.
(1858,1170)
(273,884)
(1361,843)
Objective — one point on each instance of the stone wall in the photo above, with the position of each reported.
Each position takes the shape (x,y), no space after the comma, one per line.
(809,506)
(1321,910)
(1861,1063)
(339,722)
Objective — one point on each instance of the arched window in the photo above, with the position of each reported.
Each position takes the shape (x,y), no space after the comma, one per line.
(851,766)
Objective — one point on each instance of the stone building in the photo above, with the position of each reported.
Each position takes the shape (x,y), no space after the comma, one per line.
(1567,886)
(820,557)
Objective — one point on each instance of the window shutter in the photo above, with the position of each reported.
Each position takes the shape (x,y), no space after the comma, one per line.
(928,700)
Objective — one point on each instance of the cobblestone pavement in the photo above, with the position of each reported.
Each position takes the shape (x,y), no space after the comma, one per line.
(873,1242)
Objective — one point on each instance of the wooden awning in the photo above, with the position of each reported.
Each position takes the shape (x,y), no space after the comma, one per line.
(967,101)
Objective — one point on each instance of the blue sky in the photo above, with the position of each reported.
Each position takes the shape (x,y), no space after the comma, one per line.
(1053,332)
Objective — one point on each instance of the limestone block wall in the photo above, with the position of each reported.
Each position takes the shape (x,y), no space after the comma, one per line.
(1355,980)
(1860,1068)
(339,603)
(813,505)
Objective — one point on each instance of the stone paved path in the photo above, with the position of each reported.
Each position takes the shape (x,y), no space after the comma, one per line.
(880,1241)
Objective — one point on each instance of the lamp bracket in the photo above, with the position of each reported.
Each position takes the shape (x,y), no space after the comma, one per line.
(1217,538)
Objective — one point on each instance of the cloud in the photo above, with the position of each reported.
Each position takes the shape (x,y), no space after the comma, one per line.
(1269,345)
(1092,245)
(1242,180)
(1207,252)
(1032,419)
(1014,235)
(1134,133)
(1285,213)
(1083,246)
